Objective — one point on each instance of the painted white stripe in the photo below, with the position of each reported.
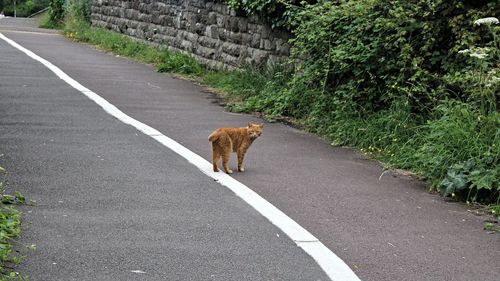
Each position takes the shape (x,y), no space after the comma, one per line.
(333,266)
(30,32)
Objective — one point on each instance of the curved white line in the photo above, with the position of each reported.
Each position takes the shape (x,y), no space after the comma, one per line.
(333,266)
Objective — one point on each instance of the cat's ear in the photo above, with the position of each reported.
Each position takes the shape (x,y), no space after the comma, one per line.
(250,124)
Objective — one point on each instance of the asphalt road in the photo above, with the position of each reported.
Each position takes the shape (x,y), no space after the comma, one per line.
(110,200)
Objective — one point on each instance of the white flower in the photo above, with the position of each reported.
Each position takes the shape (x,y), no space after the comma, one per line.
(476,52)
(479,55)
(487,21)
(493,81)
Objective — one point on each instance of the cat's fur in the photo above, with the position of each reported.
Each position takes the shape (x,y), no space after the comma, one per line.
(227,140)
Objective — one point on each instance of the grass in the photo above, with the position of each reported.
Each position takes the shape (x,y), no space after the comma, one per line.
(454,149)
(164,60)
(44,21)
(10,222)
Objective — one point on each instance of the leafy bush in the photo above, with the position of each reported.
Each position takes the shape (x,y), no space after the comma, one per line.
(387,76)
(458,150)
(23,8)
(56,12)
(275,12)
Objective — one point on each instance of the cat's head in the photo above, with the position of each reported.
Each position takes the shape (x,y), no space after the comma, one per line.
(254,130)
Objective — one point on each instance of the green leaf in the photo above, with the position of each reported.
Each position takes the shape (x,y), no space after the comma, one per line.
(8,199)
(20,197)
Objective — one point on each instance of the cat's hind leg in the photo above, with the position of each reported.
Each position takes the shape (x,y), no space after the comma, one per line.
(226,153)
(215,156)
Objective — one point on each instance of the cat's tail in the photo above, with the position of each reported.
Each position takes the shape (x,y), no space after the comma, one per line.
(214,136)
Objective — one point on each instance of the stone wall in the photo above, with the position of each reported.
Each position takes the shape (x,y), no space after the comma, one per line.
(209,30)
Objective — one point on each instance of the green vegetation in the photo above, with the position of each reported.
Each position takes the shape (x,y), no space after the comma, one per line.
(55,13)
(412,83)
(489,226)
(45,22)
(24,8)
(493,225)
(10,220)
(388,77)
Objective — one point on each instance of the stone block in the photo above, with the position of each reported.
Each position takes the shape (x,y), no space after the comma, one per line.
(192,37)
(205,52)
(208,42)
(211,18)
(283,49)
(209,5)
(228,59)
(234,37)
(212,31)
(232,49)
(199,28)
(268,45)
(255,43)
(220,20)
(223,34)
(187,46)
(155,18)
(246,39)
(259,57)
(242,24)
(265,32)
(231,24)
(170,31)
(216,7)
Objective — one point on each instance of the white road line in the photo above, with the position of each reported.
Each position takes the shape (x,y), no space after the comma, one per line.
(30,32)
(333,266)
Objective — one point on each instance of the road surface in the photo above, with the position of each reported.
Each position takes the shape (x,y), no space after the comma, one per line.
(114,204)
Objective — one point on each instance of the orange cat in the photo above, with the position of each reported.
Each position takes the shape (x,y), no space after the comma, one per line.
(227,140)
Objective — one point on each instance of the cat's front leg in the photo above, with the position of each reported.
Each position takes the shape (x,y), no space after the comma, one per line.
(241,155)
